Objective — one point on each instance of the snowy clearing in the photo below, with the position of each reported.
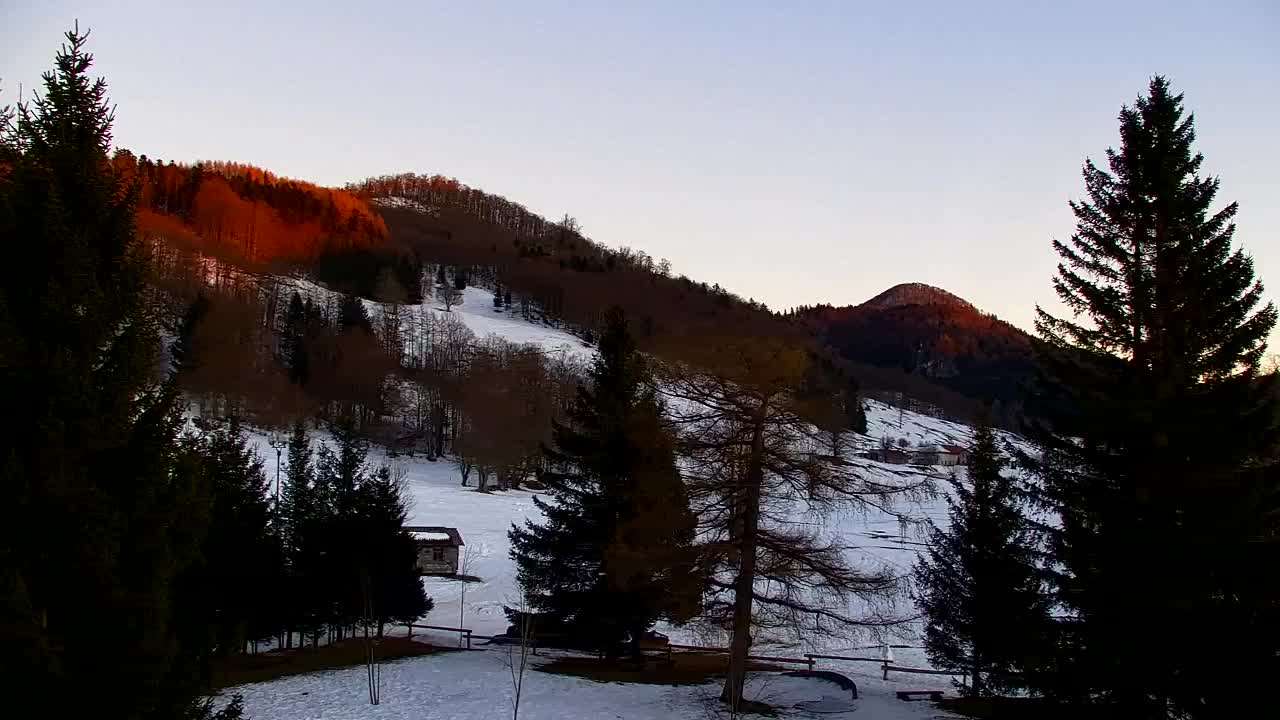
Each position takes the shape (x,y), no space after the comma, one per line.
(477,686)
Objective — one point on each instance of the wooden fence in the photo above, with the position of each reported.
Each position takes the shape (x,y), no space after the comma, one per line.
(465,632)
(810,660)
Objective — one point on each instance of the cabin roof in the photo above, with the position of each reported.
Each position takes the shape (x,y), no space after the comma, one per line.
(435,535)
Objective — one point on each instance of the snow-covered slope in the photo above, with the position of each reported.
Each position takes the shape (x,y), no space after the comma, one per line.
(437,498)
(483,519)
(475,310)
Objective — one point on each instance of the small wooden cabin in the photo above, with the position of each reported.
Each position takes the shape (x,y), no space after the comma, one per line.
(438,549)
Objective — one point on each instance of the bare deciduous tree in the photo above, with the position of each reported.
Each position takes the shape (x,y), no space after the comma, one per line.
(463,567)
(449,296)
(753,468)
(518,659)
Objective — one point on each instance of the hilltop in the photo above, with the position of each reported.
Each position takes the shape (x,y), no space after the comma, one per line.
(906,294)
(931,334)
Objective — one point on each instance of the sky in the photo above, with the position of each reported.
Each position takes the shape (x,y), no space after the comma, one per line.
(795,153)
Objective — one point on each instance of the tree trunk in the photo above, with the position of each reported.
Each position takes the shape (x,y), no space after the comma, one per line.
(637,653)
(744,586)
(976,689)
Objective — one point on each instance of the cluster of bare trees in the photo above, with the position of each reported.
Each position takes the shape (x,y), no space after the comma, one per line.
(416,379)
(509,397)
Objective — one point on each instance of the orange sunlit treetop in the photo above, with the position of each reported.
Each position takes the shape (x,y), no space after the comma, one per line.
(243,211)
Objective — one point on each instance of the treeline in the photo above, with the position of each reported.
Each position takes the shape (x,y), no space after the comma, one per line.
(326,554)
(552,267)
(243,213)
(348,561)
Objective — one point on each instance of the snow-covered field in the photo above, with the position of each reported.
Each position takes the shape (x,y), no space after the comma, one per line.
(476,684)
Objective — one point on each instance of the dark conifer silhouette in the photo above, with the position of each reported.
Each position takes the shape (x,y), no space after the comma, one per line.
(96,502)
(978,584)
(613,555)
(1163,431)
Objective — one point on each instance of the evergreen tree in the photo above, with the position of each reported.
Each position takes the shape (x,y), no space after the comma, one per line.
(293,346)
(850,401)
(296,495)
(389,554)
(1162,432)
(305,520)
(361,531)
(241,551)
(339,472)
(978,584)
(94,501)
(184,356)
(353,316)
(459,281)
(613,555)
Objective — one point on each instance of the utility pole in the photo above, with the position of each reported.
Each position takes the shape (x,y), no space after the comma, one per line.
(279,444)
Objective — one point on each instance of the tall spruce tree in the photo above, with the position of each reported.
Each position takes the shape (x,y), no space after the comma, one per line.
(352,315)
(305,522)
(614,554)
(184,353)
(240,549)
(293,343)
(978,584)
(1158,455)
(388,553)
(94,502)
(360,529)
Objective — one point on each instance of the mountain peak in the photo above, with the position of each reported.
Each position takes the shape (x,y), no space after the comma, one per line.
(915,294)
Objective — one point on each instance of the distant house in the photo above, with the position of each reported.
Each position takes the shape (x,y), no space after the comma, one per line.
(890,455)
(944,455)
(961,453)
(437,549)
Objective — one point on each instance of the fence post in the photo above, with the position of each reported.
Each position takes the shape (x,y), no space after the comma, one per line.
(809,657)
(886,670)
(468,639)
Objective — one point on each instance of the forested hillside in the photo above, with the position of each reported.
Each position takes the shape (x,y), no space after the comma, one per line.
(245,213)
(552,269)
(396,239)
(931,334)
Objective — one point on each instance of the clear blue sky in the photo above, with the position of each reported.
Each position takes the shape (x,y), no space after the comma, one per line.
(793,152)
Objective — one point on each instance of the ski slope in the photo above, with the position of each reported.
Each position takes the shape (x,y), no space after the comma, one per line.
(475,310)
